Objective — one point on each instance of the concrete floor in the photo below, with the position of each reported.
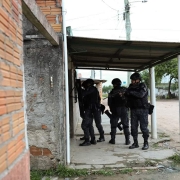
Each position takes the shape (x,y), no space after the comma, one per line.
(105,155)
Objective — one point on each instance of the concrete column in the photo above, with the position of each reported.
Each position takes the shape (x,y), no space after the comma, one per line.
(153,102)
(179,87)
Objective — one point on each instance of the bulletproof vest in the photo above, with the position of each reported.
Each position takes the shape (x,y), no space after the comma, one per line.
(135,101)
(91,98)
(114,99)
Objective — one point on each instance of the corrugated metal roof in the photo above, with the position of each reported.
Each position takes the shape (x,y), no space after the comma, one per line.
(121,55)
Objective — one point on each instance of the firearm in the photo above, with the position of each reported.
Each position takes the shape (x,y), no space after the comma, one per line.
(116,92)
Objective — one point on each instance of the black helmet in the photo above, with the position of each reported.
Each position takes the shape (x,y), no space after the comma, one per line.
(84,84)
(90,81)
(135,76)
(116,81)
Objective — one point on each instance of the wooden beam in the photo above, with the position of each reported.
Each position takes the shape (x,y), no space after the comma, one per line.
(36,17)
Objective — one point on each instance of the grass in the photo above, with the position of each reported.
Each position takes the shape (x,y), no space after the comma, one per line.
(63,172)
(162,135)
(175,158)
(126,171)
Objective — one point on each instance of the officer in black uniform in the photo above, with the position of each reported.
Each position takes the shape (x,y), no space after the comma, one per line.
(117,104)
(137,94)
(92,110)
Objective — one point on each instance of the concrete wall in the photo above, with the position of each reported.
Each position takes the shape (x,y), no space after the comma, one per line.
(44,82)
(14,151)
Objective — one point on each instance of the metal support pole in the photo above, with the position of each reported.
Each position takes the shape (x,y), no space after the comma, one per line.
(179,87)
(66,83)
(153,102)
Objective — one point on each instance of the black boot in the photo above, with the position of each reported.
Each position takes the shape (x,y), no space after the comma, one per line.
(93,141)
(85,143)
(82,138)
(112,141)
(127,142)
(101,138)
(145,146)
(134,145)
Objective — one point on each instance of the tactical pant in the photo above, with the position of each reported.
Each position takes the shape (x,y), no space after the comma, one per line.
(97,117)
(119,112)
(139,115)
(87,124)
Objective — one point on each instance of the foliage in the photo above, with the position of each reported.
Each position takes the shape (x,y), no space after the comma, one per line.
(175,158)
(168,68)
(107,89)
(145,77)
(126,171)
(63,171)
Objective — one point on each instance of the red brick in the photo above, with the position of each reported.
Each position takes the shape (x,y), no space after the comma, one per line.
(6,136)
(5,128)
(15,131)
(5,73)
(46,152)
(44,127)
(50,3)
(35,151)
(2,93)
(3,110)
(2,101)
(11,159)
(4,66)
(55,11)
(5,82)
(10,93)
(3,166)
(5,121)
(3,150)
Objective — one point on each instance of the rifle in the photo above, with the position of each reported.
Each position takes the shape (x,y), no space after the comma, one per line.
(80,99)
(116,92)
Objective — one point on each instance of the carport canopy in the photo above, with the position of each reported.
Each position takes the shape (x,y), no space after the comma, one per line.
(119,55)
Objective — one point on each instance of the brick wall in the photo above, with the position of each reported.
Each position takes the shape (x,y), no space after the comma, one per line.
(53,13)
(13,150)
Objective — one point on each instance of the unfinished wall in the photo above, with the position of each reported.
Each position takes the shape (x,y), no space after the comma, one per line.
(14,152)
(44,82)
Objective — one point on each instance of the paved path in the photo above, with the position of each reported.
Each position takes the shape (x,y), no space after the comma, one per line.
(119,155)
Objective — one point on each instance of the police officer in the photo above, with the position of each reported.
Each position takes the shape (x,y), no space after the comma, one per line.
(92,110)
(137,93)
(117,104)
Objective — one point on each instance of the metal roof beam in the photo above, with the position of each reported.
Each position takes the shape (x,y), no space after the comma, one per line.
(127,47)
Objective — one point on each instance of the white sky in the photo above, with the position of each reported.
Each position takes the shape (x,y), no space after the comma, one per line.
(156,20)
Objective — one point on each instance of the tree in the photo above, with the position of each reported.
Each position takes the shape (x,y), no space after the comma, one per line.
(168,68)
(106,89)
(145,77)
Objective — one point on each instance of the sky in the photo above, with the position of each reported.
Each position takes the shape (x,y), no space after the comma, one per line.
(155,20)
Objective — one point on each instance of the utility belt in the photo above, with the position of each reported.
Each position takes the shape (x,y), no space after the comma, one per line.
(94,106)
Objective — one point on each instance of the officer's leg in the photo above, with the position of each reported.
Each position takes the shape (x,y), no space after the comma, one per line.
(114,122)
(125,123)
(97,118)
(85,126)
(91,131)
(134,128)
(144,127)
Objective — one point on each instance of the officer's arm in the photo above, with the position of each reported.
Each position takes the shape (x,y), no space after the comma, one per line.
(141,93)
(89,91)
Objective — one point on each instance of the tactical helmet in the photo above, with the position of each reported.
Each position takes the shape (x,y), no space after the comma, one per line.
(90,81)
(84,84)
(116,81)
(135,76)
